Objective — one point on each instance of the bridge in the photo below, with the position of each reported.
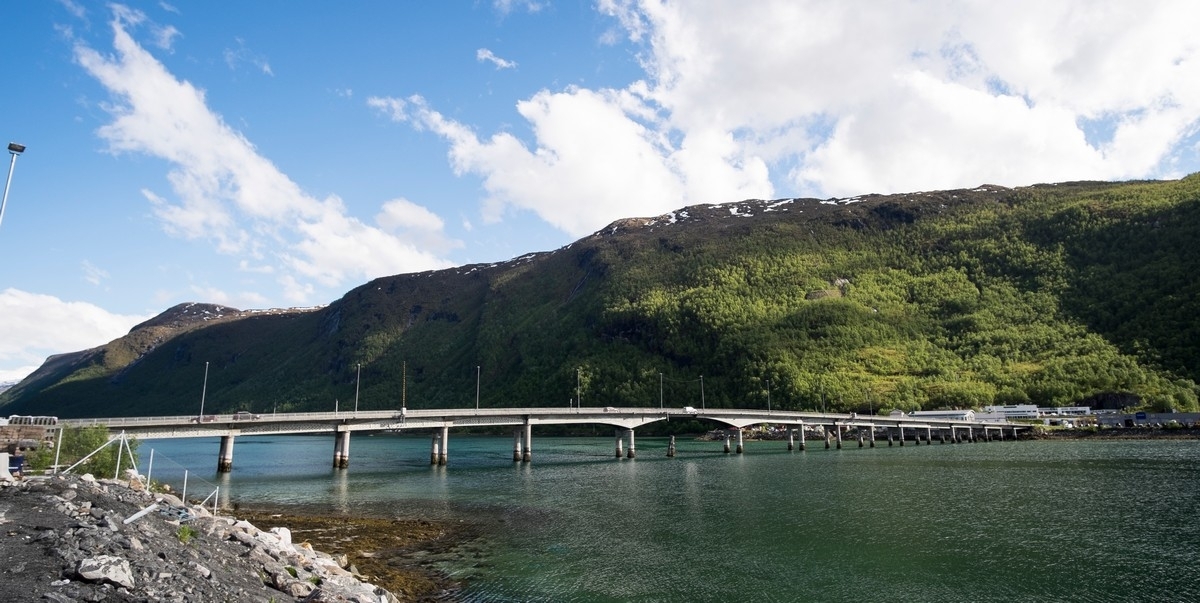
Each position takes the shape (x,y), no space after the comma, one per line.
(831,427)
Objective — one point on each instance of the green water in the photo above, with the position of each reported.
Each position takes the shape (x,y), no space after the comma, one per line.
(1000,521)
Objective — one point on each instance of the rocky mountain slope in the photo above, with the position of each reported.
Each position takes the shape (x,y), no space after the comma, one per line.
(1058,294)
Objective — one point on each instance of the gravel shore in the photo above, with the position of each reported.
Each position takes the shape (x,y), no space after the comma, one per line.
(74,538)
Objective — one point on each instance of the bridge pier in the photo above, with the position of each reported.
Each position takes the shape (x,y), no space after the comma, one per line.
(871,432)
(341,449)
(435,451)
(620,442)
(953,434)
(791,439)
(900,428)
(928,435)
(802,444)
(527,456)
(828,436)
(942,435)
(225,457)
(740,447)
(889,432)
(444,455)
(860,437)
(838,428)
(671,448)
(516,445)
(971,434)
(726,444)
(632,450)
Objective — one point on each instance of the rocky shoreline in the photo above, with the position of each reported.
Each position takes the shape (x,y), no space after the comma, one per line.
(75,538)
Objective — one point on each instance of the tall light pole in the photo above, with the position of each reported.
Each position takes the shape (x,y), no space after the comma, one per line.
(701,392)
(357,380)
(14,149)
(660,401)
(578,390)
(476,387)
(768,396)
(203,390)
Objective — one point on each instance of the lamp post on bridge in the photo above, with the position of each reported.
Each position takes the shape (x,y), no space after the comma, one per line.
(203,391)
(14,149)
(660,396)
(768,396)
(578,390)
(701,392)
(476,387)
(357,380)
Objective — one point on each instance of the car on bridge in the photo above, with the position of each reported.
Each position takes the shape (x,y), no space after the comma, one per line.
(245,415)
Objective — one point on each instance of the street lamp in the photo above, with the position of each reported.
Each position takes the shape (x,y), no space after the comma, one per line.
(203,390)
(477,387)
(660,399)
(14,149)
(768,396)
(578,391)
(357,379)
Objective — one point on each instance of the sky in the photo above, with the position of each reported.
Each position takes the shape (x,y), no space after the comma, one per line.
(278,153)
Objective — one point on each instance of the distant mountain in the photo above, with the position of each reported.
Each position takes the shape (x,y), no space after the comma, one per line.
(1064,294)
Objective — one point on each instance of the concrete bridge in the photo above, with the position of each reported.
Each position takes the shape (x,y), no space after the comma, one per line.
(831,427)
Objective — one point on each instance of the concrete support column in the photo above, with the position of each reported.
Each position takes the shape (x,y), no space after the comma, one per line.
(726,444)
(527,456)
(444,455)
(740,447)
(671,447)
(860,437)
(516,445)
(1014,433)
(928,435)
(828,437)
(889,432)
(942,435)
(337,448)
(971,434)
(838,428)
(791,439)
(953,434)
(341,457)
(632,449)
(225,457)
(900,428)
(435,450)
(620,443)
(803,446)
(871,434)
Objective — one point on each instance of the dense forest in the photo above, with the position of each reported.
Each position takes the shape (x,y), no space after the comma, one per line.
(1056,295)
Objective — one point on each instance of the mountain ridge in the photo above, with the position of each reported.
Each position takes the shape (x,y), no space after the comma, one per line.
(905,297)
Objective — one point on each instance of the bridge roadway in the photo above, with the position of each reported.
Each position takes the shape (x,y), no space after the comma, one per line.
(341,424)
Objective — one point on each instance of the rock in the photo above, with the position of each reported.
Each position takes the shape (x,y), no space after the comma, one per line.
(106,568)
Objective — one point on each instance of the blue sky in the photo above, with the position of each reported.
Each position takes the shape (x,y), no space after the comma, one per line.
(277,154)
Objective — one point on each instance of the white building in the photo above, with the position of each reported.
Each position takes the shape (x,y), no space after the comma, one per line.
(1013,411)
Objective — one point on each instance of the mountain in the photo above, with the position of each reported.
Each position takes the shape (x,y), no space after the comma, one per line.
(1057,294)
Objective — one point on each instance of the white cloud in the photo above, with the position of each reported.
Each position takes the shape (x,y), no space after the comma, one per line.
(851,97)
(227,193)
(236,56)
(34,327)
(484,55)
(813,97)
(93,274)
(594,160)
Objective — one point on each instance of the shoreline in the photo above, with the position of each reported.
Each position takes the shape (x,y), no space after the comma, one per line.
(399,555)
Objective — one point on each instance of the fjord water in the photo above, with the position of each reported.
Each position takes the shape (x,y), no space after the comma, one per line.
(999,521)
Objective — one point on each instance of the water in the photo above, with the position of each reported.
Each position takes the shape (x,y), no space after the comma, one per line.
(1012,521)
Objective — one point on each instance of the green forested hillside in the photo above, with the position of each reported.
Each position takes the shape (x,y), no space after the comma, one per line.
(1076,293)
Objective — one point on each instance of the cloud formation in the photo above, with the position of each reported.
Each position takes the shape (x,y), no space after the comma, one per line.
(228,194)
(36,326)
(811,97)
(484,55)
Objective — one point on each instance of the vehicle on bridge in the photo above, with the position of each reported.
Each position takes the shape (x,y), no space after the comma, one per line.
(245,415)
